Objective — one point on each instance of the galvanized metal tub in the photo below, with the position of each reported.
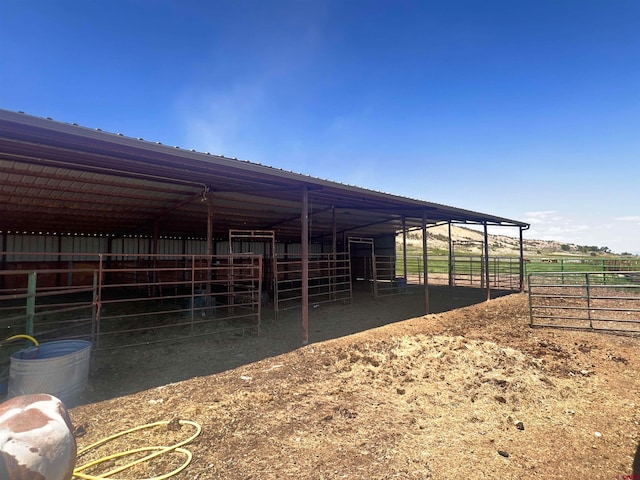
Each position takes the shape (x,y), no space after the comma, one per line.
(59,368)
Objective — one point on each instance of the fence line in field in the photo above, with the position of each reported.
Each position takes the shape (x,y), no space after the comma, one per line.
(463,270)
(468,270)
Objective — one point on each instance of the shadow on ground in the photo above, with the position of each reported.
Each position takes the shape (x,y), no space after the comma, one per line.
(125,371)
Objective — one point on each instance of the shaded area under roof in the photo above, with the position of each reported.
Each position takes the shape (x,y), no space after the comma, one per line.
(63,178)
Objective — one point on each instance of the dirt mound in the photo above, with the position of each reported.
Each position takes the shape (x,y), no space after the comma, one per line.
(471,393)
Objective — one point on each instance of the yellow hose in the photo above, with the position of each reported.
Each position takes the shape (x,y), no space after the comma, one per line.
(160,450)
(28,337)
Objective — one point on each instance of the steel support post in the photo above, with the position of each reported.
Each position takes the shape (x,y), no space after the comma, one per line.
(425,262)
(404,249)
(486,261)
(209,251)
(521,261)
(450,256)
(334,252)
(31,302)
(304,237)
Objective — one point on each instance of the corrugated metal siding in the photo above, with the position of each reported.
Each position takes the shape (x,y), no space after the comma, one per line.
(385,245)
(296,248)
(40,245)
(74,247)
(169,246)
(221,248)
(257,247)
(196,247)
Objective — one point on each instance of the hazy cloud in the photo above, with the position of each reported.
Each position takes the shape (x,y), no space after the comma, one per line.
(214,121)
(543,216)
(551,225)
(230,109)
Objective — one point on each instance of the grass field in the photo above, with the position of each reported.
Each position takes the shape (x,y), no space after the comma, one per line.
(472,264)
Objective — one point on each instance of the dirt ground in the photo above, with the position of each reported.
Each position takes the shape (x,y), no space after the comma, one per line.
(467,393)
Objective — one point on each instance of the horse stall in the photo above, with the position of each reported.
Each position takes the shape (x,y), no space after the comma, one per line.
(374,265)
(329,276)
(126,299)
(329,279)
(126,296)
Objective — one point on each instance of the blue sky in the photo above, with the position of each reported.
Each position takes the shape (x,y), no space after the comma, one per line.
(525,109)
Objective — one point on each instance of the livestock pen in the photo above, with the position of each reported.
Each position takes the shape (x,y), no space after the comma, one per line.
(124,300)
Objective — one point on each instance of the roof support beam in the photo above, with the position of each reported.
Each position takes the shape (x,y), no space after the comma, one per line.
(291,219)
(176,206)
(367,225)
(130,169)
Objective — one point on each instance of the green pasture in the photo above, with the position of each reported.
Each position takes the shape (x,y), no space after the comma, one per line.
(472,264)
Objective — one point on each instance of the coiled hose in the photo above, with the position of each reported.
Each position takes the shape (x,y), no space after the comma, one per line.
(157,451)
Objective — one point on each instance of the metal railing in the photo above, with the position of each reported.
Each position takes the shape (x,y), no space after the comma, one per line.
(608,301)
(581,264)
(386,281)
(127,300)
(329,279)
(463,270)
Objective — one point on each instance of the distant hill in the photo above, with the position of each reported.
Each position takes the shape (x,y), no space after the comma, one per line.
(467,240)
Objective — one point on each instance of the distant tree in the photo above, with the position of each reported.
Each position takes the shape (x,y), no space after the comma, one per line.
(589,249)
(565,247)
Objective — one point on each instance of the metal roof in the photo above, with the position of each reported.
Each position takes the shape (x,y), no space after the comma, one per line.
(63,178)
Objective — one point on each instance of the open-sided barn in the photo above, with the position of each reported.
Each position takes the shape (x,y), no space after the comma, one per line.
(92,221)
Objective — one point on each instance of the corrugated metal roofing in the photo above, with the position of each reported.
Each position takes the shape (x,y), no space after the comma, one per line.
(61,177)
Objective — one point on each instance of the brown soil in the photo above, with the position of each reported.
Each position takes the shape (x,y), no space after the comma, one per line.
(448,395)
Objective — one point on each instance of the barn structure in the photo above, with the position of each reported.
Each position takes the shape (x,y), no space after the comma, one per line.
(104,235)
